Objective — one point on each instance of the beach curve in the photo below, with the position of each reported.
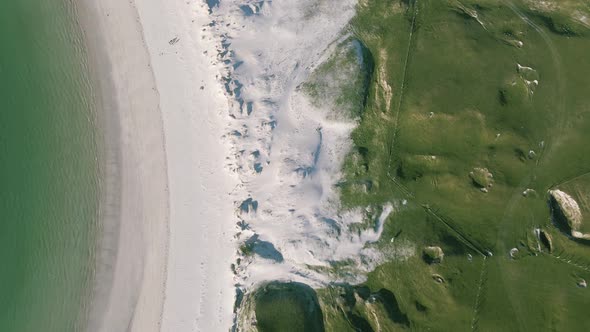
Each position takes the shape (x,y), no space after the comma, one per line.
(166,243)
(134,210)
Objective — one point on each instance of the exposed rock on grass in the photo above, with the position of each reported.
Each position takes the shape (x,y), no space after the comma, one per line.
(529,192)
(438,278)
(546,240)
(433,255)
(513,253)
(482,178)
(566,214)
(532,154)
(364,309)
(565,209)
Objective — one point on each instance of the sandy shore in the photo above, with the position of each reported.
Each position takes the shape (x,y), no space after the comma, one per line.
(199,289)
(163,261)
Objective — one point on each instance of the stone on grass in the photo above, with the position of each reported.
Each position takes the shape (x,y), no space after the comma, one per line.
(433,254)
(567,214)
(481,177)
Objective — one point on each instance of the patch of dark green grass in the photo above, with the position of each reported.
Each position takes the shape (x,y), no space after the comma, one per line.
(287,307)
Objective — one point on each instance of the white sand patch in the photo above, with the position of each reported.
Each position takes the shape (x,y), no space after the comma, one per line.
(287,154)
(385,91)
(199,287)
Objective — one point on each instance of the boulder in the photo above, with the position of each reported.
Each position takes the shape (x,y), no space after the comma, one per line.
(438,278)
(567,208)
(546,240)
(567,214)
(433,254)
(481,177)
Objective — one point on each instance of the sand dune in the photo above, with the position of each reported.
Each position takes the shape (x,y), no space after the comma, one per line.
(287,153)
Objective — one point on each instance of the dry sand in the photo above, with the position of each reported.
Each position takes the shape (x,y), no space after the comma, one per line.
(199,290)
(287,151)
(163,262)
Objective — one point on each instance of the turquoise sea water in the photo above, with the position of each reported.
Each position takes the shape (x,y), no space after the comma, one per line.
(48,168)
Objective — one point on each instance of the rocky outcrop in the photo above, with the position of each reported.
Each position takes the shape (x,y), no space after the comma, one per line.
(568,207)
(438,278)
(546,240)
(482,178)
(566,213)
(433,254)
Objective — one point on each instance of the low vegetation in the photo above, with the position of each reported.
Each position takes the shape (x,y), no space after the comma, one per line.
(466,95)
(339,85)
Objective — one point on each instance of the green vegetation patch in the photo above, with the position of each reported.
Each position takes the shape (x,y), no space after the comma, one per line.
(467,95)
(287,307)
(339,85)
(350,308)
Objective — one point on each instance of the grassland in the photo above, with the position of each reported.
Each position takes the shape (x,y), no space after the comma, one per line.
(458,87)
(476,85)
(339,85)
(288,307)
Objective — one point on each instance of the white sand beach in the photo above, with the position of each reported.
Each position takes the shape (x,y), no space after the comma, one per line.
(164,256)
(203,111)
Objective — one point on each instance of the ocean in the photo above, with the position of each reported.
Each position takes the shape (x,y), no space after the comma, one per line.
(49,183)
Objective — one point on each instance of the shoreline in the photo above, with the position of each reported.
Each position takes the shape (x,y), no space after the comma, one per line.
(133,231)
(165,242)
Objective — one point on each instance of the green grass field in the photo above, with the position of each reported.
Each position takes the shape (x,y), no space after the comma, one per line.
(457,87)
(279,306)
(477,84)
